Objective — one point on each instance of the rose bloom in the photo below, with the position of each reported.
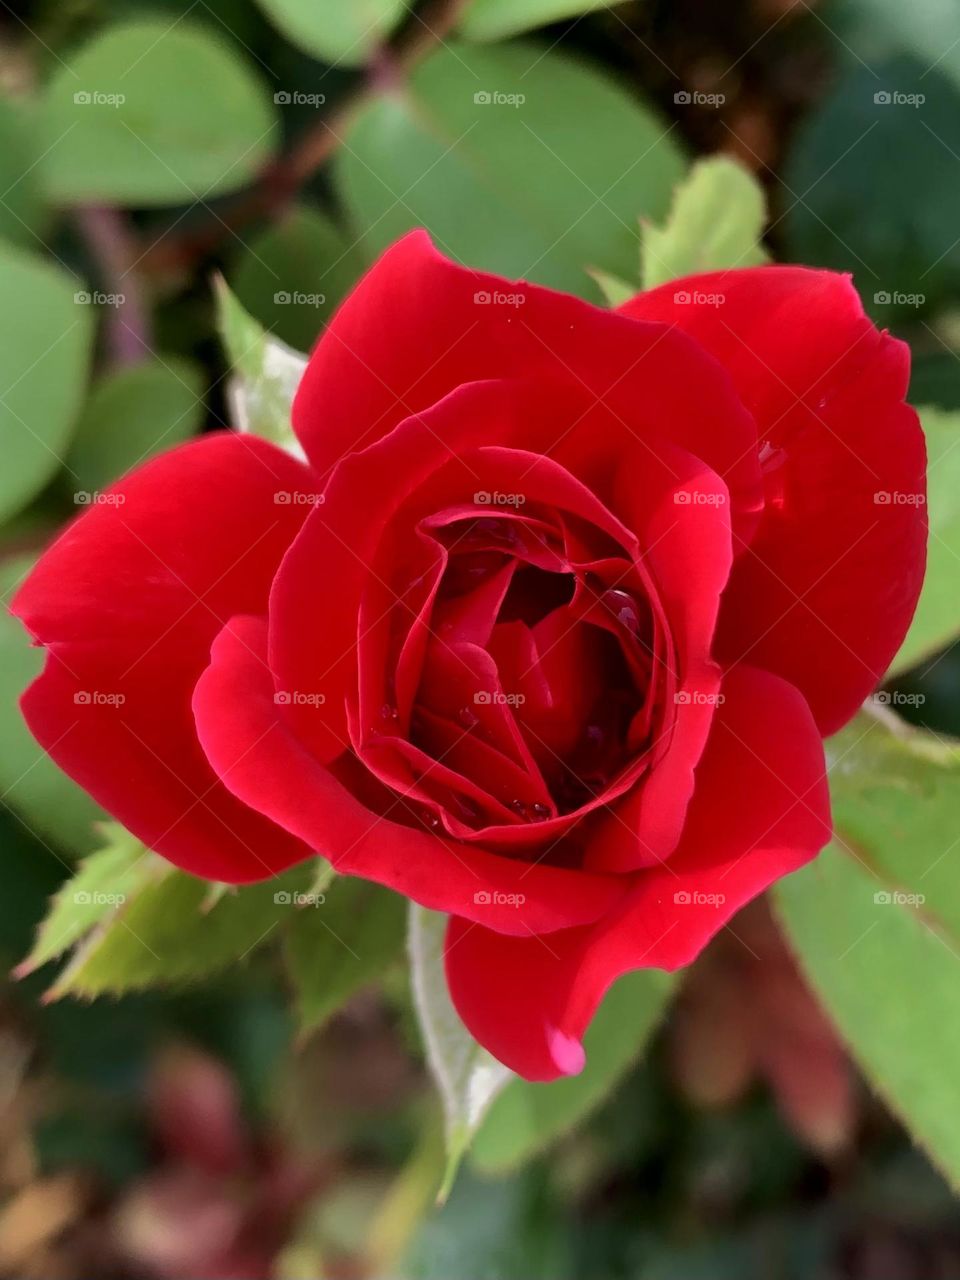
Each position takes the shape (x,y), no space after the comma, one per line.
(544,633)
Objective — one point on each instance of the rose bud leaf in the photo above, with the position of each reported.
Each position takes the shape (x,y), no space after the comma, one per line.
(875,922)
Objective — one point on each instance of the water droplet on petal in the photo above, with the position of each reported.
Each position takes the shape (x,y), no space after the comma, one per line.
(625,608)
(468,718)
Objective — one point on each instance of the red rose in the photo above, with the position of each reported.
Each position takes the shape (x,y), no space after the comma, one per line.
(546,635)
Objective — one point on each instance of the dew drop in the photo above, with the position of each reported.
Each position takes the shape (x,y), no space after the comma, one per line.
(624,607)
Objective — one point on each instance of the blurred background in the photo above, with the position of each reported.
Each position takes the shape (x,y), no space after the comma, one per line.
(192,1132)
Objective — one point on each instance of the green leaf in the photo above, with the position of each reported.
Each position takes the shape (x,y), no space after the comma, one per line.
(495,19)
(346,32)
(266,373)
(873,187)
(49,804)
(154,113)
(340,939)
(937,620)
(927,28)
(875,922)
(513,136)
(167,928)
(131,415)
(45,340)
(615,291)
(716,221)
(526,1117)
(467,1076)
(23,214)
(102,881)
(293,276)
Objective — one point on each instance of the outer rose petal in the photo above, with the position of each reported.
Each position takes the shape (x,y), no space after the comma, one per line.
(827,589)
(127,602)
(760,810)
(261,761)
(411,332)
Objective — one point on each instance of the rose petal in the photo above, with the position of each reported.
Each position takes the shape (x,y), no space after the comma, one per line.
(257,756)
(761,810)
(127,602)
(827,589)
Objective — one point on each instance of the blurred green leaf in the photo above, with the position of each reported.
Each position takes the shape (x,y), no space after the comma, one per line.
(100,883)
(168,928)
(292,276)
(154,113)
(50,804)
(926,28)
(937,620)
(615,291)
(875,922)
(935,380)
(23,216)
(467,1076)
(527,1117)
(346,32)
(45,339)
(717,218)
(511,136)
(872,186)
(342,938)
(132,414)
(266,373)
(494,19)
